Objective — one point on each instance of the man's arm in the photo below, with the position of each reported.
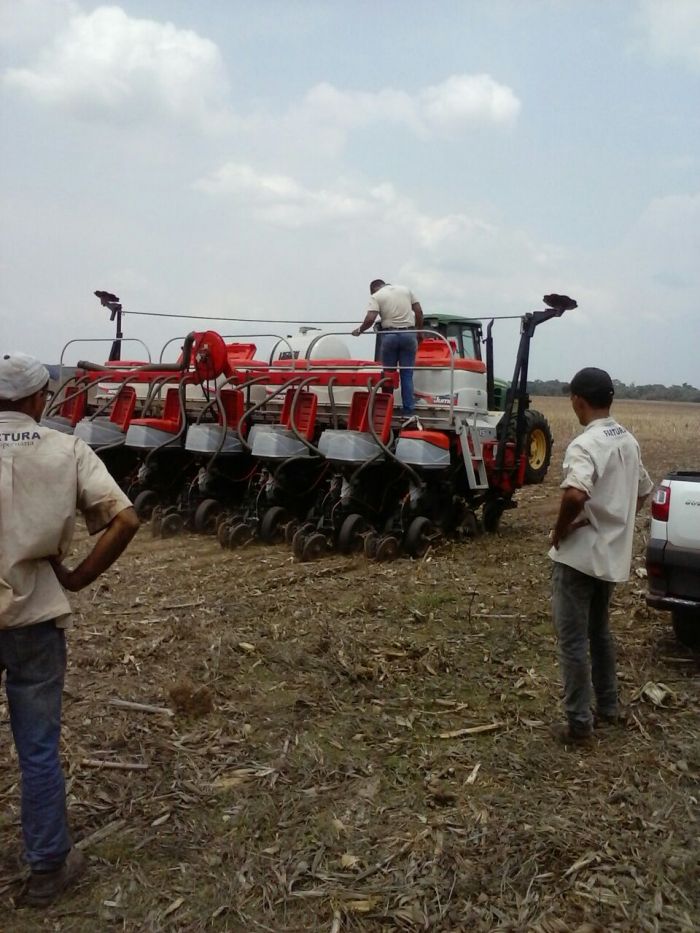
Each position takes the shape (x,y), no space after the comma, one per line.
(107,549)
(645,487)
(572,501)
(418,311)
(368,322)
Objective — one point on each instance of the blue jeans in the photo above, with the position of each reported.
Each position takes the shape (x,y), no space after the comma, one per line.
(34,660)
(586,646)
(398,347)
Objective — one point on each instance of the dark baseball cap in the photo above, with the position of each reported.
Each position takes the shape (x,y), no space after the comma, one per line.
(594,385)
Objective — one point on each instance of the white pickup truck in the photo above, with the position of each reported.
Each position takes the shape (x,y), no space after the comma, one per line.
(673,553)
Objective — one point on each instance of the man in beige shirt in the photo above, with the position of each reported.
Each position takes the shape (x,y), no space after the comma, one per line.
(605,484)
(401,316)
(44,477)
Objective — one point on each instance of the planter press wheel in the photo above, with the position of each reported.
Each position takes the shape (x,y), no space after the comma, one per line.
(387,548)
(156,520)
(314,546)
(370,545)
(491,516)
(272,524)
(145,502)
(419,536)
(470,524)
(205,516)
(171,524)
(240,533)
(290,529)
(350,536)
(223,530)
(299,538)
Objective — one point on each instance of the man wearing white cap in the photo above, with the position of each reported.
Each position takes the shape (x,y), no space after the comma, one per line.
(44,476)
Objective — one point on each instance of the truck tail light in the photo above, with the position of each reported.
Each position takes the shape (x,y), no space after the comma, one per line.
(661,503)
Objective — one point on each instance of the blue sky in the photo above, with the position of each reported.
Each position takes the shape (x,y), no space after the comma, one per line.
(268,160)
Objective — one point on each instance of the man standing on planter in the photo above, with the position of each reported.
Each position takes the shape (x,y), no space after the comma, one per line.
(401,316)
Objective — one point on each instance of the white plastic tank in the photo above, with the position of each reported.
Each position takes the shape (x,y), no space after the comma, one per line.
(311,344)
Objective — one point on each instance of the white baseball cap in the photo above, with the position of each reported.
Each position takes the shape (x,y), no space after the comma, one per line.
(20,376)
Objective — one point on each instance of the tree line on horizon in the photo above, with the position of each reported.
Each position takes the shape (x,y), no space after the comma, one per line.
(652,392)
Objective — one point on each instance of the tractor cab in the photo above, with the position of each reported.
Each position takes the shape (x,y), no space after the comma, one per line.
(463,334)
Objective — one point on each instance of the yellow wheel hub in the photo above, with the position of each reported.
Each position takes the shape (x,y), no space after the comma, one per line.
(538,449)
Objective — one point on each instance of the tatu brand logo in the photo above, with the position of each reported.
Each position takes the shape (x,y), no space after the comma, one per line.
(7,436)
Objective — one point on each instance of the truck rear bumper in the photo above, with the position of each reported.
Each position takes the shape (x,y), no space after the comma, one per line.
(673,575)
(671,602)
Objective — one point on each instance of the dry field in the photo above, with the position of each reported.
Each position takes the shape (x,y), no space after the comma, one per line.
(346,746)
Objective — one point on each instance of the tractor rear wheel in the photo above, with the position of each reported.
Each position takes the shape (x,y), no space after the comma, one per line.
(205,516)
(271,524)
(350,539)
(419,536)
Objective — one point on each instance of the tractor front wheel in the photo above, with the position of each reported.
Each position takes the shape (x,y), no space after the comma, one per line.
(538,447)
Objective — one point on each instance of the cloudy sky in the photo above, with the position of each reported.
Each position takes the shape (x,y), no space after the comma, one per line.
(268,159)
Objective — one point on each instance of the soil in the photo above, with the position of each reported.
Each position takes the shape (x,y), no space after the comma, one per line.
(345,745)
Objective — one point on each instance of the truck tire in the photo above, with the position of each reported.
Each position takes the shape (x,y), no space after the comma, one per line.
(686,625)
(538,447)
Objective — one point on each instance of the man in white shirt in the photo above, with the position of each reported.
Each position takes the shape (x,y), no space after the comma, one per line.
(605,485)
(401,316)
(44,476)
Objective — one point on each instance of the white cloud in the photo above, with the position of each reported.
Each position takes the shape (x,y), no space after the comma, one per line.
(459,101)
(671,30)
(108,65)
(26,23)
(465,99)
(283,201)
(454,254)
